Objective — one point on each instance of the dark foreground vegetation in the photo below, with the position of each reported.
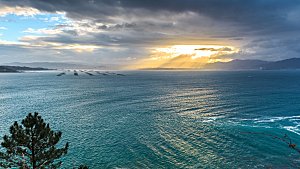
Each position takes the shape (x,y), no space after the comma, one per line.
(32,145)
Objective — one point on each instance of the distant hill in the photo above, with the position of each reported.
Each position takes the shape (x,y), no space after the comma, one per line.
(64,65)
(293,63)
(5,69)
(49,65)
(15,69)
(237,65)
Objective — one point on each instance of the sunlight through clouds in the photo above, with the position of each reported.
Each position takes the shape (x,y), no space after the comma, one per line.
(155,33)
(185,56)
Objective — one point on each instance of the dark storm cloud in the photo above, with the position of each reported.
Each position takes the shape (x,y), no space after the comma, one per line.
(118,26)
(105,39)
(225,49)
(251,16)
(138,22)
(257,12)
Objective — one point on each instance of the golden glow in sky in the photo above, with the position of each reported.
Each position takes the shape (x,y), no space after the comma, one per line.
(177,50)
(186,56)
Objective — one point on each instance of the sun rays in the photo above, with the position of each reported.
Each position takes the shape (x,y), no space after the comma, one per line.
(186,56)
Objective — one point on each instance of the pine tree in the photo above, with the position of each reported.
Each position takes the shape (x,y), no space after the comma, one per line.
(31,145)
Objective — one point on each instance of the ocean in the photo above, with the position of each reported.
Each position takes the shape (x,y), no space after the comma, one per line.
(163,119)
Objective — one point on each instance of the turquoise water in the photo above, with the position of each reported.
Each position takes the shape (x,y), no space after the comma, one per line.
(163,119)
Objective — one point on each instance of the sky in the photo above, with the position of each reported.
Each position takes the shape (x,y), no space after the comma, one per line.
(147,33)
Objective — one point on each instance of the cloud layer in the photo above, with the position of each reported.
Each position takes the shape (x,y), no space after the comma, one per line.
(124,30)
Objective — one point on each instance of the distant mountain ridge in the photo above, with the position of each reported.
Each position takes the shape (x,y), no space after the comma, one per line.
(49,65)
(4,69)
(15,69)
(62,65)
(293,63)
(237,64)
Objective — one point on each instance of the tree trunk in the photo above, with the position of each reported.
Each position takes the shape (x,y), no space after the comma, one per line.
(33,150)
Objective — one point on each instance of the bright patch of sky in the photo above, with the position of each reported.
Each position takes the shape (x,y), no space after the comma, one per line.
(14,27)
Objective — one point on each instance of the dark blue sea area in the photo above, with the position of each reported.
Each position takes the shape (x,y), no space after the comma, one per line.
(163,119)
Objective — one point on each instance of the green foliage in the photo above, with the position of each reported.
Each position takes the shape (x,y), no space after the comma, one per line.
(31,145)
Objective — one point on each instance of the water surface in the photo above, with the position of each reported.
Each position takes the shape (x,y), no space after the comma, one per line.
(157,119)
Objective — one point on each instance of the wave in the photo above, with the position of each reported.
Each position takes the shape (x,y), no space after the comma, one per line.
(289,123)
